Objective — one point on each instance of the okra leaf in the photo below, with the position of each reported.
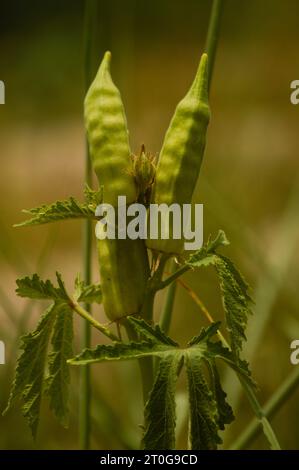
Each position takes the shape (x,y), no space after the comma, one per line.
(151,333)
(204,417)
(225,412)
(205,256)
(30,371)
(121,352)
(59,210)
(93,197)
(87,293)
(206,334)
(34,288)
(211,350)
(234,289)
(58,380)
(236,301)
(160,415)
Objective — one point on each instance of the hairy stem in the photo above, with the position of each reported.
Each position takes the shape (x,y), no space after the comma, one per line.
(93,322)
(166,315)
(146,365)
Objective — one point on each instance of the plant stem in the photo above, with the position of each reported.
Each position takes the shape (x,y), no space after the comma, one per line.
(85,395)
(213,36)
(146,366)
(173,277)
(285,390)
(166,315)
(93,322)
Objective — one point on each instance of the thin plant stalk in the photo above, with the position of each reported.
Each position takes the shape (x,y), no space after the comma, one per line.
(278,399)
(85,387)
(213,36)
(166,315)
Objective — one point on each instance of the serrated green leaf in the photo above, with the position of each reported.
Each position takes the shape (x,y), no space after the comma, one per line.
(225,412)
(205,256)
(121,352)
(206,334)
(215,350)
(30,370)
(220,240)
(57,382)
(57,211)
(93,197)
(34,288)
(234,290)
(236,301)
(203,433)
(87,293)
(151,333)
(160,416)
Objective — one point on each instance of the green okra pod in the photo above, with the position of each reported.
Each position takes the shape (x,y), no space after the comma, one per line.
(182,152)
(124,268)
(108,137)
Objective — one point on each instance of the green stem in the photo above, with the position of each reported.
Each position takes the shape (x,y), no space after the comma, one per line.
(166,315)
(213,36)
(173,277)
(85,394)
(146,366)
(278,399)
(259,412)
(93,322)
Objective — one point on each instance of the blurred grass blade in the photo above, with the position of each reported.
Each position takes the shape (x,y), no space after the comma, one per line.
(278,399)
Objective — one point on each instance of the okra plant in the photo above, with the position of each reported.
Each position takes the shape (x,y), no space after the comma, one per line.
(132,272)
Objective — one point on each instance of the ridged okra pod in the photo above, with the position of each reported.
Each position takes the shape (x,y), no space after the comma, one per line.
(182,152)
(108,137)
(124,271)
(123,264)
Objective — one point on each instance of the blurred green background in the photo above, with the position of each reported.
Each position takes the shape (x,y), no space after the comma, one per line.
(248,183)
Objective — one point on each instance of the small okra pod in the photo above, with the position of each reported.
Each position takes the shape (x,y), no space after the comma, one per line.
(182,152)
(124,272)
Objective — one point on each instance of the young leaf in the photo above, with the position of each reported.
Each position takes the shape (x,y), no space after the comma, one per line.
(34,288)
(87,293)
(160,417)
(57,382)
(30,370)
(205,256)
(203,407)
(236,301)
(234,289)
(59,210)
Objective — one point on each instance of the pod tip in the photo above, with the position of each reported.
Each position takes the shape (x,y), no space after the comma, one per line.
(107,56)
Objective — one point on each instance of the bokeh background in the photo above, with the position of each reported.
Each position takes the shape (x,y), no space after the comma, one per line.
(248,183)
